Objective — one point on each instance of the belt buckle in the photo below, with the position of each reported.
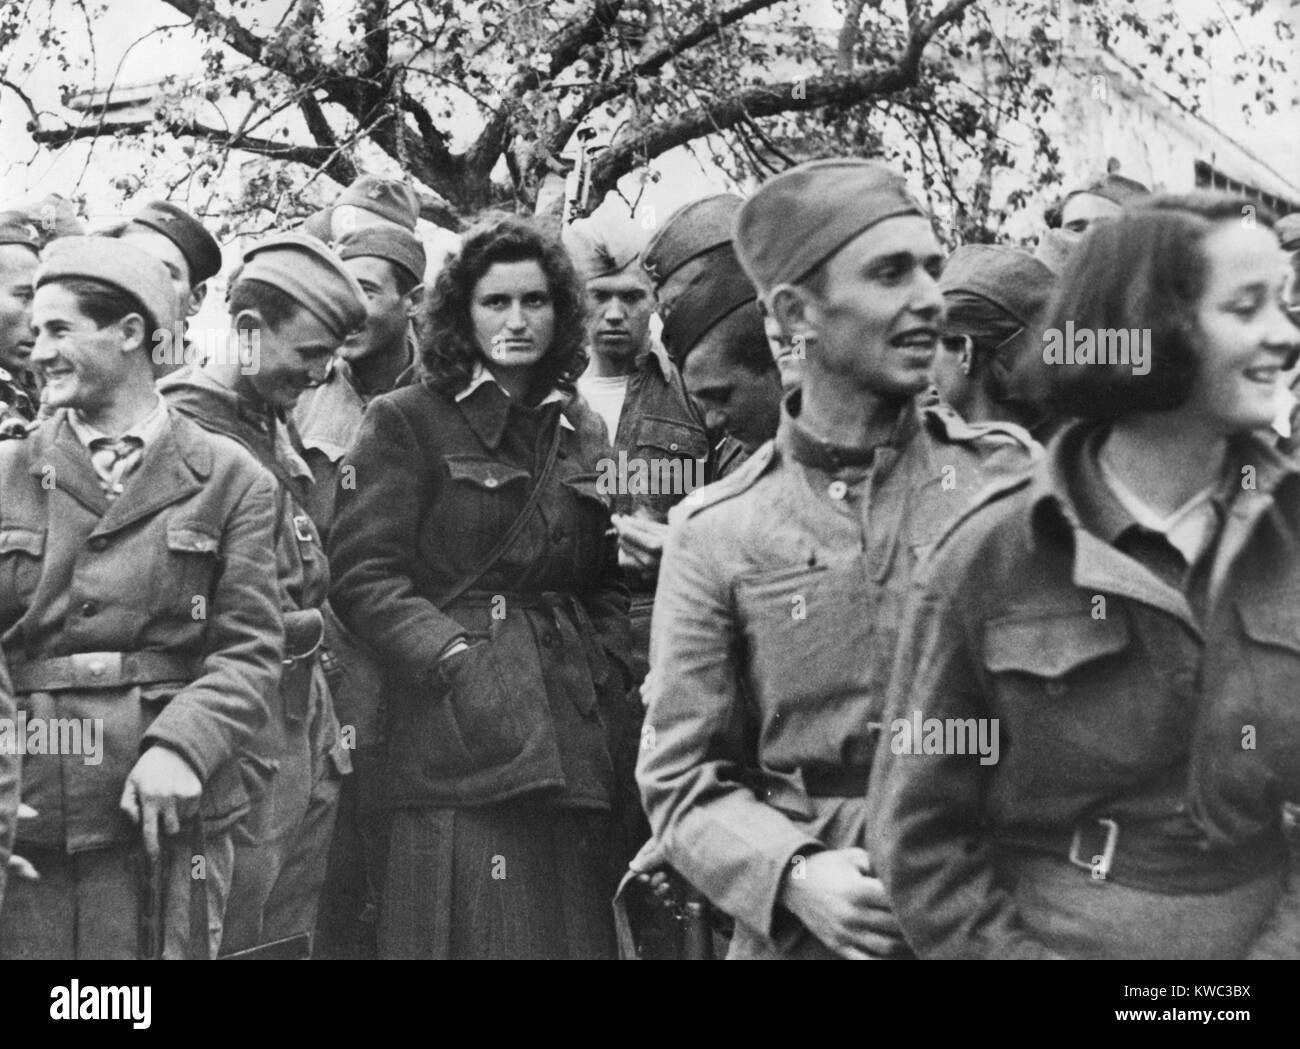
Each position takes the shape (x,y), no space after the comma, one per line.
(98,666)
(1097,866)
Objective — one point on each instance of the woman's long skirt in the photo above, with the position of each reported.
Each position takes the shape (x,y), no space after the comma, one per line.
(515,880)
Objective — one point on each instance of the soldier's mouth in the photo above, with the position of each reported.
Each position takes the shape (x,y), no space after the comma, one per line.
(916,338)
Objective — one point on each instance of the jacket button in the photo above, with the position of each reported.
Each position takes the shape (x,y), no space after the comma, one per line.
(837,490)
(88,608)
(97,668)
(490,482)
(673,446)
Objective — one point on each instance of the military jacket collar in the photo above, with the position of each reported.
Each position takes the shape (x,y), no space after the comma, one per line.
(173,467)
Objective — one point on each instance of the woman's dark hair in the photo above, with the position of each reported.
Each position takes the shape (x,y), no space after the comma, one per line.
(105,303)
(449,351)
(1144,270)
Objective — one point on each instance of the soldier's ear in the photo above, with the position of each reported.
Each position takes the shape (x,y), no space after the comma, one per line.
(134,335)
(413,299)
(793,307)
(198,294)
(247,320)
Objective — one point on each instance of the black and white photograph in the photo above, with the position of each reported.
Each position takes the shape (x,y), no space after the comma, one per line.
(650,480)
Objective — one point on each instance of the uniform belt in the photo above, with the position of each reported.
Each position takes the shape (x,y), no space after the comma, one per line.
(1142,856)
(99,670)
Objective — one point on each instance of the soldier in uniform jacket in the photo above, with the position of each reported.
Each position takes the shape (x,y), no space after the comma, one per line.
(137,594)
(1124,620)
(777,610)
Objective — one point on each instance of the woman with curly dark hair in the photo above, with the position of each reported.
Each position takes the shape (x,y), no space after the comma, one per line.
(471,550)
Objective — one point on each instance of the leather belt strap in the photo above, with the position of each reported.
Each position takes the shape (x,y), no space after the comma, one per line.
(98,670)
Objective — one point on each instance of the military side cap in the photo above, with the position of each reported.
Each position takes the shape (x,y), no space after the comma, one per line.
(689,232)
(1115,188)
(55,217)
(201,250)
(319,225)
(306,270)
(604,246)
(17,228)
(699,295)
(1288,231)
(1010,278)
(112,262)
(386,197)
(799,219)
(398,246)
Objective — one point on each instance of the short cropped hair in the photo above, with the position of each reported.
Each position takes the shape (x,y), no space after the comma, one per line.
(105,303)
(449,350)
(1144,270)
(274,305)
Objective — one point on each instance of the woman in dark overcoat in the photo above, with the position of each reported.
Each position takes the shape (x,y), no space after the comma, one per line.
(505,661)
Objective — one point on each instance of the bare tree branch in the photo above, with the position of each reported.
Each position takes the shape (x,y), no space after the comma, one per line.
(838,91)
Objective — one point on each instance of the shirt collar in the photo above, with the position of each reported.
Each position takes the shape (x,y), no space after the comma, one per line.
(146,431)
(482,377)
(1089,503)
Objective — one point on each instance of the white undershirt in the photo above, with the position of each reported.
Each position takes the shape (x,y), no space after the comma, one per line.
(606,396)
(1188,529)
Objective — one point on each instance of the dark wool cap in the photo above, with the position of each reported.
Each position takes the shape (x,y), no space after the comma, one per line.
(386,197)
(17,228)
(1010,278)
(306,270)
(698,278)
(801,218)
(120,265)
(200,248)
(398,246)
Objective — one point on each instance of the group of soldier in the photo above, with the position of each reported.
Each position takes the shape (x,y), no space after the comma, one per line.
(822,398)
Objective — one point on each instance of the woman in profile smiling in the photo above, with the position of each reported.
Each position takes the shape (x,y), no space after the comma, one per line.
(473,556)
(1129,613)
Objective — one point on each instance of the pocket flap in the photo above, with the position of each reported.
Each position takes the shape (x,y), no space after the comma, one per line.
(24,540)
(485,473)
(1052,645)
(1273,619)
(589,485)
(678,440)
(191,541)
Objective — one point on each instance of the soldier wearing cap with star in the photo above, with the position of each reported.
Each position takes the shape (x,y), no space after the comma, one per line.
(784,582)
(20,245)
(291,306)
(137,594)
(713,329)
(191,254)
(388,263)
(372,200)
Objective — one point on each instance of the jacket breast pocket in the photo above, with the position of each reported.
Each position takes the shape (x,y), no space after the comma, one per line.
(813,649)
(1076,693)
(483,496)
(1271,625)
(666,463)
(21,553)
(189,570)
